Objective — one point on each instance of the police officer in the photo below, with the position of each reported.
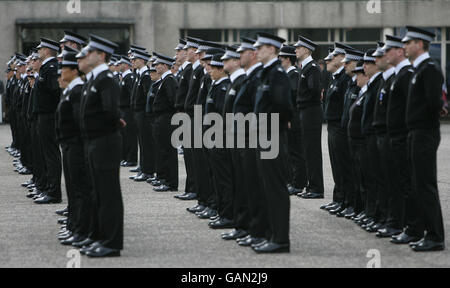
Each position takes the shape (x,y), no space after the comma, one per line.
(423,109)
(311,115)
(297,166)
(138,102)
(274,96)
(164,108)
(46,100)
(100,122)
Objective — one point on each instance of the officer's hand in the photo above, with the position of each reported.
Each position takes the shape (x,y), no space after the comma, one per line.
(289,125)
(321,94)
(444,111)
(122,123)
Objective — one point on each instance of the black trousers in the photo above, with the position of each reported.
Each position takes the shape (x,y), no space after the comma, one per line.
(206,170)
(78,186)
(189,162)
(104,155)
(39,168)
(423,146)
(259,226)
(405,205)
(222,169)
(26,158)
(12,122)
(371,175)
(297,170)
(311,125)
(146,144)
(358,151)
(384,186)
(340,159)
(167,157)
(241,213)
(51,153)
(273,175)
(129,136)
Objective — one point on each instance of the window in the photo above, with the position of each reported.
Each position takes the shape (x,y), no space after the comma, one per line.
(226,36)
(362,35)
(216,35)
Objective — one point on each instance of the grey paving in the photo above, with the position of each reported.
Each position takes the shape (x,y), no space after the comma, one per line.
(159,232)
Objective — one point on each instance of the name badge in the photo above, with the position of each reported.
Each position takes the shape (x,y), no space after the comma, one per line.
(232,92)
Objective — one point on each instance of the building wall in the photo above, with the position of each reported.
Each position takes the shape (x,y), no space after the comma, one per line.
(157,24)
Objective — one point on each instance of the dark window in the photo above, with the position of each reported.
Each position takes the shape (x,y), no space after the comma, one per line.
(206,34)
(318,35)
(363,34)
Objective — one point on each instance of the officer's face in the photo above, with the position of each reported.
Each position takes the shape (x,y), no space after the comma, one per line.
(370,69)
(180,56)
(264,53)
(361,79)
(246,57)
(42,52)
(330,66)
(68,74)
(216,73)
(154,76)
(301,52)
(208,67)
(231,65)
(394,55)
(381,62)
(191,56)
(349,67)
(62,84)
(160,68)
(82,65)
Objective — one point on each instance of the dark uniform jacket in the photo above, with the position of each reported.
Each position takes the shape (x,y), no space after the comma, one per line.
(164,101)
(425,97)
(396,119)
(194,86)
(245,99)
(151,98)
(334,99)
(140,91)
(126,88)
(205,85)
(68,114)
(294,76)
(381,103)
(309,86)
(47,88)
(184,78)
(99,111)
(369,105)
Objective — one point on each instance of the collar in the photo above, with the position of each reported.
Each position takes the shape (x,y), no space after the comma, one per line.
(46,60)
(142,70)
(195,65)
(168,72)
(23,76)
(204,71)
(75,82)
(270,62)
(88,76)
(126,73)
(290,69)
(220,80)
(115,73)
(99,69)
(354,78)
(400,65)
(157,81)
(306,61)
(388,73)
(338,71)
(236,74)
(373,77)
(420,59)
(363,90)
(185,64)
(251,69)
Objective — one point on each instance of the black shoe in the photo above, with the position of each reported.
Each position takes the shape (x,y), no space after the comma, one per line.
(222,223)
(137,169)
(64,236)
(259,242)
(62,221)
(350,215)
(197,208)
(313,195)
(302,193)
(428,245)
(132,177)
(84,242)
(157,183)
(164,188)
(89,247)
(294,191)
(235,234)
(244,238)
(252,241)
(374,227)
(272,247)
(323,207)
(47,200)
(151,179)
(336,209)
(388,232)
(102,251)
(404,238)
(344,212)
(207,213)
(188,196)
(71,240)
(141,178)
(28,183)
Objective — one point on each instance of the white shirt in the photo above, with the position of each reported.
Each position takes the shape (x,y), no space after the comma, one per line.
(290,69)
(270,62)
(88,76)
(220,80)
(73,83)
(338,71)
(388,73)
(363,90)
(168,72)
(400,65)
(99,69)
(354,78)
(236,74)
(306,61)
(142,70)
(373,77)
(204,71)
(418,60)
(126,73)
(195,65)
(186,63)
(250,70)
(46,60)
